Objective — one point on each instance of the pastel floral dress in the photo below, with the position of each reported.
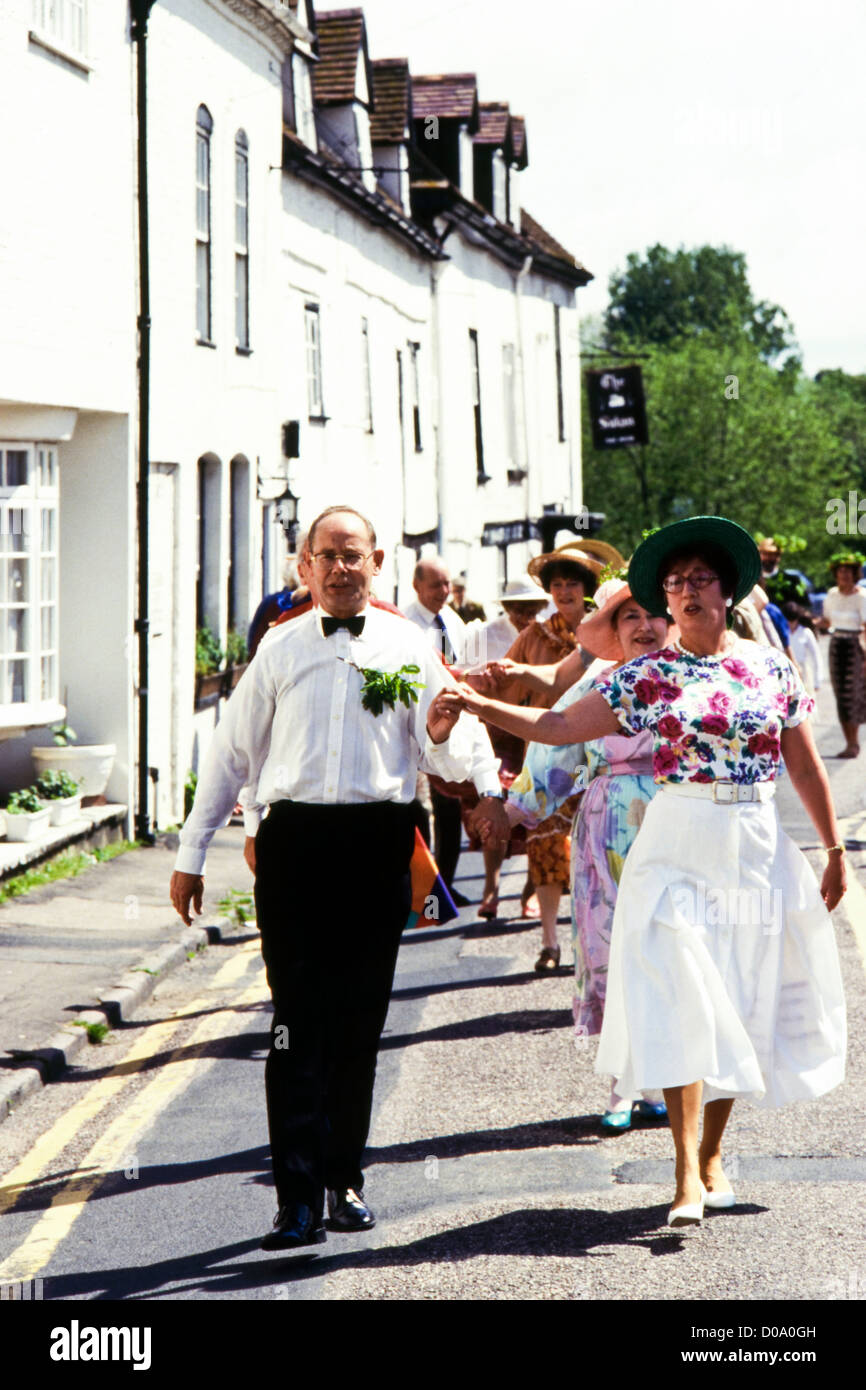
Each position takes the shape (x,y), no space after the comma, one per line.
(723,962)
(616,773)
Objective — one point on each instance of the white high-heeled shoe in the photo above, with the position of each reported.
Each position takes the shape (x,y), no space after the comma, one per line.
(690,1213)
(719,1201)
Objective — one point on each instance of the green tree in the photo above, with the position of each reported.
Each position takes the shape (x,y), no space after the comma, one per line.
(668,296)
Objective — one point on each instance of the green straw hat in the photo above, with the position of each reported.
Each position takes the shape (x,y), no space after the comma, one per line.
(694,531)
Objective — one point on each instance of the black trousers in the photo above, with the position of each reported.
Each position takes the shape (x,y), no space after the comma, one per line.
(447,833)
(332,898)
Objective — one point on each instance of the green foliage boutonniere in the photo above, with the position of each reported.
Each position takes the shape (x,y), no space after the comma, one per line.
(383,688)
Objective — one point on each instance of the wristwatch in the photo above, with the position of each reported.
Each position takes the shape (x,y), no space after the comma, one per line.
(495,796)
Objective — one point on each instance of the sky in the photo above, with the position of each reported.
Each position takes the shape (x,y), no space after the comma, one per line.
(683,123)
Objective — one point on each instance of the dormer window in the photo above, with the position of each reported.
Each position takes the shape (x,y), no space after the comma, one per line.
(305,120)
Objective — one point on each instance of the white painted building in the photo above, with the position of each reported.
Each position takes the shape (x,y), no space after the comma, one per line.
(341,307)
(67,381)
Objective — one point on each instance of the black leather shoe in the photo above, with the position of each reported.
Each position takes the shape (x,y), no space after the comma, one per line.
(295,1224)
(348,1211)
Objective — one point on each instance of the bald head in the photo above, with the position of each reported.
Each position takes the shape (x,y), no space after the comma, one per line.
(432,582)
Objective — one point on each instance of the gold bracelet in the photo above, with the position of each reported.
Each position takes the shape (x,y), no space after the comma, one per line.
(840,847)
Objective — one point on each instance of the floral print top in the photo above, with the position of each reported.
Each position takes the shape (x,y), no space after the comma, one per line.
(713,718)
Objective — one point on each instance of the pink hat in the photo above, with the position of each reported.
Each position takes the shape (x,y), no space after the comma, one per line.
(597,632)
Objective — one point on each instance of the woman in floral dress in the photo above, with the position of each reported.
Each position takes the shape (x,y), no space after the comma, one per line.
(617,773)
(724,977)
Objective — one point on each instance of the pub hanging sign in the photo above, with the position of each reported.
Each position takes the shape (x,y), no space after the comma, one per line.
(616,407)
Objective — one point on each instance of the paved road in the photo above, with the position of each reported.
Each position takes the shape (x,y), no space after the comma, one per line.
(145,1175)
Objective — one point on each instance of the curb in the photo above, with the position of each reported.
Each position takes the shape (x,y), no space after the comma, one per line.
(116,1005)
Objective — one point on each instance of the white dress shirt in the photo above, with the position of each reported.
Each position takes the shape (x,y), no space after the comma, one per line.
(295,729)
(454,626)
(491,640)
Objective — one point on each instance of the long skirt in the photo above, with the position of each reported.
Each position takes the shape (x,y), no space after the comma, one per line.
(847,677)
(723,962)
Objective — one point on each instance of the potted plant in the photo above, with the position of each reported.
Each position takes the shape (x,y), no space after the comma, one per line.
(209,655)
(236,659)
(88,764)
(26,817)
(61,794)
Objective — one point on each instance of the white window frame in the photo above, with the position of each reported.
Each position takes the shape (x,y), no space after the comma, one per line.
(366,376)
(313,345)
(62,24)
(203,224)
(242,243)
(29,533)
(302,88)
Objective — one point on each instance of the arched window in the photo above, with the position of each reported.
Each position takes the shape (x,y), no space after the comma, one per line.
(203,132)
(242,243)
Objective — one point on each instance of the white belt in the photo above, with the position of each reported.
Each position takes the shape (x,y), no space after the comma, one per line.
(724,791)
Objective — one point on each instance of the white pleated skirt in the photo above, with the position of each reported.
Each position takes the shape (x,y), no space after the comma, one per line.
(723,963)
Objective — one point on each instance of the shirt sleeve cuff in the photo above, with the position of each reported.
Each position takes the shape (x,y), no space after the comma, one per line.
(252,820)
(485,787)
(190,860)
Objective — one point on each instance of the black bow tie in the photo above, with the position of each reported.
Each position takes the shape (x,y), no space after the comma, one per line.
(355,625)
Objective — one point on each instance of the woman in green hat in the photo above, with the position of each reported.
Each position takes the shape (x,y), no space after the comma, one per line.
(845,616)
(724,978)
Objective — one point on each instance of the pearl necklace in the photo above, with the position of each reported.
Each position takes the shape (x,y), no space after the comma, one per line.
(702,656)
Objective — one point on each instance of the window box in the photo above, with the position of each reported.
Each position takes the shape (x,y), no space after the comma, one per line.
(208,688)
(233,675)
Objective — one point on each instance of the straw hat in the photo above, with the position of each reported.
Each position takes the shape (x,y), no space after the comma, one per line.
(575,553)
(597,632)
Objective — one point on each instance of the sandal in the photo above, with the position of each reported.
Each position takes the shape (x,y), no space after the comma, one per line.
(489,907)
(548,960)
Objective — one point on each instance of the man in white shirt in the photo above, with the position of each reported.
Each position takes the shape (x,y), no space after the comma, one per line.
(431,611)
(446,633)
(331,857)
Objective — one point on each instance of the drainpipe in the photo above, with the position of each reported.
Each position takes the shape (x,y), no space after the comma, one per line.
(140,11)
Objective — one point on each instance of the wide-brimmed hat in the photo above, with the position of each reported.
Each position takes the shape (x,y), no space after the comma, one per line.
(598,632)
(694,531)
(852,558)
(574,553)
(523,591)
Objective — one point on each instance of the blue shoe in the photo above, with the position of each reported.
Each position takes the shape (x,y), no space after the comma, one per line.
(616,1119)
(649,1110)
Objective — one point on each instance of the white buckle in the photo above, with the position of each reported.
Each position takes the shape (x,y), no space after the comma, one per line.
(734,790)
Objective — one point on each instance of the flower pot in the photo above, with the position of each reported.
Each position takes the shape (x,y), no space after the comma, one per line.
(89,764)
(64,808)
(27,825)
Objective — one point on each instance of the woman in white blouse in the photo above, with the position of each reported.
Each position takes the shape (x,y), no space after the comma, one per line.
(845,616)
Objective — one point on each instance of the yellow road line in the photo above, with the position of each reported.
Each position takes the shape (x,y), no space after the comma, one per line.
(112,1148)
(65,1128)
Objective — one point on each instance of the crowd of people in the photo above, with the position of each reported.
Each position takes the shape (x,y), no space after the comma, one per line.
(621,723)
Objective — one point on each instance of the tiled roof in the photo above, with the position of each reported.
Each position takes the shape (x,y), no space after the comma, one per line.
(535,233)
(518,141)
(392,101)
(341,42)
(493,123)
(453,95)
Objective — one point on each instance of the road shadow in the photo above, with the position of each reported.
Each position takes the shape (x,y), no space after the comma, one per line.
(491,1026)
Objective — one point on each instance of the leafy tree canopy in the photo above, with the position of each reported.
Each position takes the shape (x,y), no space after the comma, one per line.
(665,297)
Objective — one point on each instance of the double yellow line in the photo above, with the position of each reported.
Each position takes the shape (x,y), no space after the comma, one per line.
(112,1148)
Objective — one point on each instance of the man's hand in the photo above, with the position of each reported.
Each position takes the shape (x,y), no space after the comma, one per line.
(186,889)
(443,714)
(484,682)
(490,823)
(250,853)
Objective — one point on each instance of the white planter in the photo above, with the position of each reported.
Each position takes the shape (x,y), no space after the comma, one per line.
(90,764)
(63,808)
(29,825)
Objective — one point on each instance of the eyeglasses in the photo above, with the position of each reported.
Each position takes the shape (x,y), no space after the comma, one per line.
(698,579)
(352,559)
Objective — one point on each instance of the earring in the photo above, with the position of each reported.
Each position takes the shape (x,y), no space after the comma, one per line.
(728,602)
(669,613)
